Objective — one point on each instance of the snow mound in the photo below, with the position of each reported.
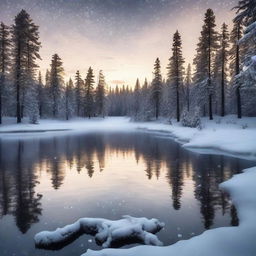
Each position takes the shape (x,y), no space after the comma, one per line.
(106,232)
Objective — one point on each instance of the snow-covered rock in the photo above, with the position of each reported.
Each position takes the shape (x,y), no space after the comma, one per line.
(106,232)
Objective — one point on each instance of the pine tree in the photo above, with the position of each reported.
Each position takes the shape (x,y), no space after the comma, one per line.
(19,54)
(224,59)
(246,15)
(145,113)
(89,93)
(40,94)
(30,90)
(5,44)
(79,93)
(137,99)
(176,71)
(235,50)
(47,94)
(56,84)
(26,45)
(47,78)
(244,82)
(100,95)
(206,49)
(188,83)
(156,87)
(69,99)
(246,12)
(235,61)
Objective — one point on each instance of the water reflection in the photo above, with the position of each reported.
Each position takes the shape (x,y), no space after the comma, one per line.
(17,193)
(24,164)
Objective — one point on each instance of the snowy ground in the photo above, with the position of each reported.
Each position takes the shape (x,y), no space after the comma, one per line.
(227,135)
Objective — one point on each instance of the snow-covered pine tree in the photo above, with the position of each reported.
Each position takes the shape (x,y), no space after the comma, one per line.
(26,45)
(156,87)
(100,96)
(56,84)
(32,109)
(69,99)
(146,106)
(40,93)
(221,71)
(30,102)
(89,93)
(5,44)
(19,41)
(47,94)
(187,85)
(136,99)
(79,93)
(167,105)
(206,50)
(176,72)
(246,14)
(235,53)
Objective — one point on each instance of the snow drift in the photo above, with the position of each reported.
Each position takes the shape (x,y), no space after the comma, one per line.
(106,232)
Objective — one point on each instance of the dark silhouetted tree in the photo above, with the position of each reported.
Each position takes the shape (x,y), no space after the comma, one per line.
(89,93)
(156,87)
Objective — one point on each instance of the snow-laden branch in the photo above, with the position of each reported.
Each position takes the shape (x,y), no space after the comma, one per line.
(106,232)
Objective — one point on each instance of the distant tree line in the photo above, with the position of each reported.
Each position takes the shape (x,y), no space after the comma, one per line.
(222,80)
(224,77)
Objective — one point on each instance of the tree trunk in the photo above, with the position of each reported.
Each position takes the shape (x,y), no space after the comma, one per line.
(157,108)
(178,104)
(239,108)
(188,98)
(1,86)
(238,95)
(210,107)
(222,98)
(223,84)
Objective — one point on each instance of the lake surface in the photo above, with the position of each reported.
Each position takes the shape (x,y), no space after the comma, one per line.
(47,183)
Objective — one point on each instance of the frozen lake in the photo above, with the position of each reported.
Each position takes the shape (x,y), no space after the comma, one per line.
(47,183)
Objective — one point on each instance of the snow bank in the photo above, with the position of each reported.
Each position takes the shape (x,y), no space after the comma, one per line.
(226,241)
(106,232)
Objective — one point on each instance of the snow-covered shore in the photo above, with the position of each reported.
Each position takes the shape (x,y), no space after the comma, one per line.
(227,135)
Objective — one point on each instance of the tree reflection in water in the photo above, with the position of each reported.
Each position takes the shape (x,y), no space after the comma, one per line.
(22,161)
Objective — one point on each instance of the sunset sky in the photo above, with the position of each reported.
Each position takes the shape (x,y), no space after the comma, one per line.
(121,37)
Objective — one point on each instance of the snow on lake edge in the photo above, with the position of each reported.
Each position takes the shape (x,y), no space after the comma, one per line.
(228,135)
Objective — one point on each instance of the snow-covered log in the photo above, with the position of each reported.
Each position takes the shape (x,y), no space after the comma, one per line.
(106,232)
